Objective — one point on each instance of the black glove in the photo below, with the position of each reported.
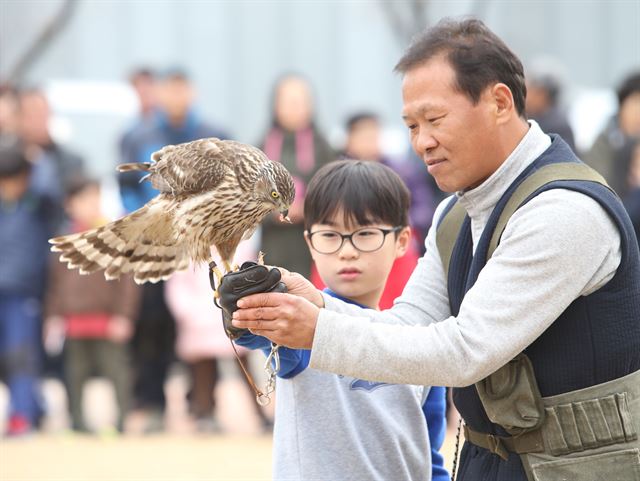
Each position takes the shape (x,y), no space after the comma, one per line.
(252,278)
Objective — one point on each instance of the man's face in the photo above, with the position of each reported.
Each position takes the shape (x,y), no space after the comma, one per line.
(176,96)
(359,276)
(453,136)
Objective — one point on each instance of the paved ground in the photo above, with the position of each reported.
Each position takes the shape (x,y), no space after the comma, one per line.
(180,454)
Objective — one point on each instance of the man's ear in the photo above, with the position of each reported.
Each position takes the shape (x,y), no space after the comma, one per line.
(403,240)
(502,98)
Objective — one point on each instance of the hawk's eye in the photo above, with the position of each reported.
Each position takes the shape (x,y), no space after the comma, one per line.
(274,194)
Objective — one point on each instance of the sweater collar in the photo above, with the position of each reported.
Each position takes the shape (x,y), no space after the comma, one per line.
(484,197)
(344,299)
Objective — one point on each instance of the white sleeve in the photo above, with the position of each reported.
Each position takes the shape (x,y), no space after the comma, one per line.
(557,247)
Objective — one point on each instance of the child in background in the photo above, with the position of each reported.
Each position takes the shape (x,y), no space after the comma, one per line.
(27,220)
(95,314)
(330,426)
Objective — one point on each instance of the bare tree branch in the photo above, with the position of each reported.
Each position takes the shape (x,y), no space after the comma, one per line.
(42,41)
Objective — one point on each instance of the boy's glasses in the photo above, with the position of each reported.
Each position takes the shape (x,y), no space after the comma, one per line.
(367,239)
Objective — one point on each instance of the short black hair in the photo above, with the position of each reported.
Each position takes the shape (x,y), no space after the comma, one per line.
(629,86)
(478,57)
(142,72)
(366,192)
(358,117)
(78,183)
(13,161)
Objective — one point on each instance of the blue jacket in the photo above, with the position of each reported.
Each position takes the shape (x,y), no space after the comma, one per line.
(26,225)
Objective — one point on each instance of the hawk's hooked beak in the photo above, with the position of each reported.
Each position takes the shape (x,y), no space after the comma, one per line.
(284,216)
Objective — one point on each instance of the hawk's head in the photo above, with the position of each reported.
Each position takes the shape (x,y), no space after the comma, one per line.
(276,187)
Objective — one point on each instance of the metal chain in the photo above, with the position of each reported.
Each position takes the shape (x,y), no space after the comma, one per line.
(272,369)
(455,455)
(262,398)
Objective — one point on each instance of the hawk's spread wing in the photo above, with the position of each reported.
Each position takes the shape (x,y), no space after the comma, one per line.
(201,165)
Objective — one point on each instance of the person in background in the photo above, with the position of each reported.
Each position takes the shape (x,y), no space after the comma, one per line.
(174,121)
(28,218)
(621,131)
(8,111)
(53,164)
(544,92)
(95,315)
(293,139)
(143,81)
(632,199)
(330,426)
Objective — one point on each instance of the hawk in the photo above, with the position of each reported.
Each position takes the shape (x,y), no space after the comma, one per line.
(212,193)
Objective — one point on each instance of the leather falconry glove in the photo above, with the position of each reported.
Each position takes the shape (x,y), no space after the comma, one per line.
(252,278)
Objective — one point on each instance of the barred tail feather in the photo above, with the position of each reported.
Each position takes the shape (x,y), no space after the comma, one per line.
(133,166)
(142,243)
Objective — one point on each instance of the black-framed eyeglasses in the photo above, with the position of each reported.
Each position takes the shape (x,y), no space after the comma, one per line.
(367,239)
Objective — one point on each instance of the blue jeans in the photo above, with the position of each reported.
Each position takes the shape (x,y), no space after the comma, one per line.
(20,319)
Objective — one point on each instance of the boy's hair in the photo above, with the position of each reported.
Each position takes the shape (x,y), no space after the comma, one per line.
(13,161)
(366,192)
(78,184)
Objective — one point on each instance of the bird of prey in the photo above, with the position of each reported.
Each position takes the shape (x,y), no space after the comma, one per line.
(212,193)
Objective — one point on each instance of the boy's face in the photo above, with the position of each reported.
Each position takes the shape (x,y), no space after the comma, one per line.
(84,206)
(356,275)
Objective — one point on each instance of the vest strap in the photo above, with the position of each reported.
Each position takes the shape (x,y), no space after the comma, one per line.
(530,442)
(450,225)
(543,176)
(447,233)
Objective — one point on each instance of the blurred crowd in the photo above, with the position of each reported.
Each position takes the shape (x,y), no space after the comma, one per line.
(57,323)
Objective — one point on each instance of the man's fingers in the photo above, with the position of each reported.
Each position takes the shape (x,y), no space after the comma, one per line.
(264,299)
(264,313)
(255,323)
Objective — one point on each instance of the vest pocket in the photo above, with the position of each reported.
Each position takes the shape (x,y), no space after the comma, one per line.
(623,465)
(588,424)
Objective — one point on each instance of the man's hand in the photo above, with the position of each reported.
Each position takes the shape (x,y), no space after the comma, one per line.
(285,319)
(299,286)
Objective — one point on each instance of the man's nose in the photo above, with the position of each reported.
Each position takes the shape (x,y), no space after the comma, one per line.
(425,142)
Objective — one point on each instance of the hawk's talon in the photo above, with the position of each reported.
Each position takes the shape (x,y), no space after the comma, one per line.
(260,258)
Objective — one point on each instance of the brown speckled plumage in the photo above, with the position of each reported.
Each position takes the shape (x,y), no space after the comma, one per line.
(212,193)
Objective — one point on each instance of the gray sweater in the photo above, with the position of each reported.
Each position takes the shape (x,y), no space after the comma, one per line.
(559,246)
(336,428)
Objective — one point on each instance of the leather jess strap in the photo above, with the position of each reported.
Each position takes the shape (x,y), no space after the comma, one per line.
(530,442)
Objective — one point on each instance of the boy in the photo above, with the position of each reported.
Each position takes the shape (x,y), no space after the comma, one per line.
(330,426)
(95,314)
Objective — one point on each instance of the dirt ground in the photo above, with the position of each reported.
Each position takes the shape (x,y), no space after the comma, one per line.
(243,453)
